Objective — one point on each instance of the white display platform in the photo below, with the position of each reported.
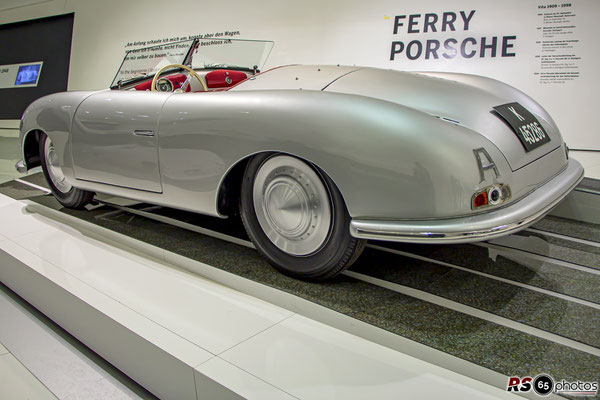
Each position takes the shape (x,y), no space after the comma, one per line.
(185,337)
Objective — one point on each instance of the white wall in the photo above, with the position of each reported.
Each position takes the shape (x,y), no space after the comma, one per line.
(341,32)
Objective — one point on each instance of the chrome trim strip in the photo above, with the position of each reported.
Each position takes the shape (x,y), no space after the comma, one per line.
(33,185)
(547,292)
(588,191)
(509,219)
(564,237)
(537,257)
(421,294)
(181,224)
(143,132)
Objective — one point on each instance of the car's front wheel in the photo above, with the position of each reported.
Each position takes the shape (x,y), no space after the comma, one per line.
(296,217)
(66,194)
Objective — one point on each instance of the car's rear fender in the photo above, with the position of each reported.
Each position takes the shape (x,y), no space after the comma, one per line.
(387,160)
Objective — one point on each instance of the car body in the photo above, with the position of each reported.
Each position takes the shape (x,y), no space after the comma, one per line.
(409,152)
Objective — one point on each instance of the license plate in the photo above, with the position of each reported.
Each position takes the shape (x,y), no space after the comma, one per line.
(525,125)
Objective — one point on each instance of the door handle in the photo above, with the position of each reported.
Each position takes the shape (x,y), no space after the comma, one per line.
(143,132)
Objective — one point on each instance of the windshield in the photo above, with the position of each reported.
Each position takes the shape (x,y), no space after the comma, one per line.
(208,53)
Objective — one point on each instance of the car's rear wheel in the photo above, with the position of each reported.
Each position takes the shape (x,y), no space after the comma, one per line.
(66,194)
(296,217)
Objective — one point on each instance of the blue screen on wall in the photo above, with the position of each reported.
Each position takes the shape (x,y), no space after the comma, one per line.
(28,74)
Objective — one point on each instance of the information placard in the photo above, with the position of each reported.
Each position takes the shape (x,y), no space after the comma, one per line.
(20,75)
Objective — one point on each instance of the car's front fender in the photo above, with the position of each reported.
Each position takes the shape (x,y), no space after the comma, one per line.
(53,115)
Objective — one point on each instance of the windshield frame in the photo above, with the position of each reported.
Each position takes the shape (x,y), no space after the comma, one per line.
(187,60)
(119,83)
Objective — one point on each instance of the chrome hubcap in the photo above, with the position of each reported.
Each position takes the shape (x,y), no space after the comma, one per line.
(292,205)
(54,170)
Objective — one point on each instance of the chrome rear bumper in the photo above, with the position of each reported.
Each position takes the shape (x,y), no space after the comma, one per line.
(504,221)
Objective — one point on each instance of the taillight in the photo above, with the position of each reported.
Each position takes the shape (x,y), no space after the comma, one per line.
(480,200)
(490,196)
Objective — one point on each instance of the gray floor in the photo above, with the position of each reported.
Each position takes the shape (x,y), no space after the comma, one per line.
(17,381)
(49,363)
(9,153)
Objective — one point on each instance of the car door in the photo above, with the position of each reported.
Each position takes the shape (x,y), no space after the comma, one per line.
(114,139)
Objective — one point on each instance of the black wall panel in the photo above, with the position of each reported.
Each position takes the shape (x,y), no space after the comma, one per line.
(44,39)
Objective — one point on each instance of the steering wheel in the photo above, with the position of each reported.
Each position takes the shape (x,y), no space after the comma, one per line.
(187,81)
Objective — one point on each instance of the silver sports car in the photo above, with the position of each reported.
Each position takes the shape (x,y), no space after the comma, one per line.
(316,159)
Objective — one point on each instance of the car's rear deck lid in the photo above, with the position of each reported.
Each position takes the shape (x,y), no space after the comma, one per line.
(299,77)
(466,104)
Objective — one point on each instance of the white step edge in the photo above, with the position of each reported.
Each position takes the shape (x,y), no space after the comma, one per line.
(163,362)
(141,351)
